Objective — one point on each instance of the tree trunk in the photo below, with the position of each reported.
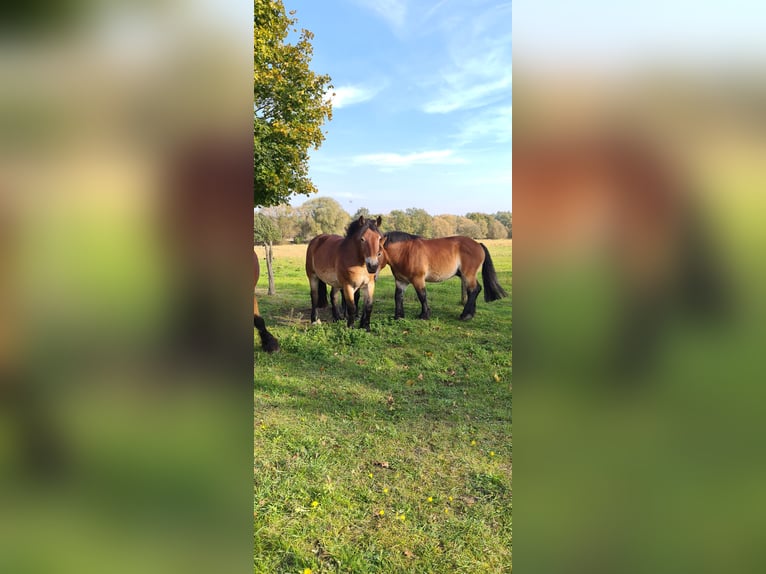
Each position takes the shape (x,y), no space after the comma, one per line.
(269,254)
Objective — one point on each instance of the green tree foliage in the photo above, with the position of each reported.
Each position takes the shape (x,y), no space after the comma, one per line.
(506,218)
(287,218)
(482,222)
(444,225)
(361,212)
(399,220)
(322,215)
(265,230)
(468,227)
(291,105)
(496,230)
(421,222)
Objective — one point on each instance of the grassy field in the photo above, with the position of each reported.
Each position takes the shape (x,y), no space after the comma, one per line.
(387,451)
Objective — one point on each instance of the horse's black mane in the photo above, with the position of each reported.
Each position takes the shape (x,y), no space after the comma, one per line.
(398,236)
(355,227)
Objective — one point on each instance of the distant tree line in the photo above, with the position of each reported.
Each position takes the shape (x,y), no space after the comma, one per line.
(287,224)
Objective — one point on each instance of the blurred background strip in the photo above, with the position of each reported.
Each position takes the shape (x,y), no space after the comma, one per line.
(125,350)
(639,177)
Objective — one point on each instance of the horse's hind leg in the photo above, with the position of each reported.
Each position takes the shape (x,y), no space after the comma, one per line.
(463,291)
(399,299)
(470,306)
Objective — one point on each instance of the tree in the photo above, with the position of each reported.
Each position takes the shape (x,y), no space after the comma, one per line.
(482,222)
(287,219)
(496,229)
(361,212)
(322,215)
(468,227)
(291,105)
(398,220)
(444,225)
(506,218)
(266,233)
(421,222)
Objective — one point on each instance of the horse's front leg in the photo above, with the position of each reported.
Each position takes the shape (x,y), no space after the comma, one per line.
(364,322)
(336,312)
(314,284)
(348,294)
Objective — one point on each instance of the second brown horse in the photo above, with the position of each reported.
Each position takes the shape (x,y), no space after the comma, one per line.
(348,264)
(416,260)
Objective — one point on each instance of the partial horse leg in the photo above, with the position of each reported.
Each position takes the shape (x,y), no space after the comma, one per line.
(336,313)
(268,341)
(420,288)
(348,293)
(399,299)
(314,282)
(470,307)
(367,313)
(463,288)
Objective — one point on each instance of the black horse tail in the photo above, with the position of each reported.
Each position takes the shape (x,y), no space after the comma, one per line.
(321,294)
(492,289)
(268,342)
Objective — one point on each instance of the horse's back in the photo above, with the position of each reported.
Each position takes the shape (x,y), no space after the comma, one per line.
(321,254)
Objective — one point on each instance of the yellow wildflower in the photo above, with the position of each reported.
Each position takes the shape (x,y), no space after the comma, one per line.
(430,499)
(385,491)
(381,512)
(492,453)
(314,504)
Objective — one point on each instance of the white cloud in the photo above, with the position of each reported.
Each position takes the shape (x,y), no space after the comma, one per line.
(350,95)
(493,125)
(479,71)
(394,160)
(392,11)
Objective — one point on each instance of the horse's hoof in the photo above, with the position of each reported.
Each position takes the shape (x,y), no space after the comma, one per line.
(271,346)
(317,322)
(424,316)
(397,317)
(467,317)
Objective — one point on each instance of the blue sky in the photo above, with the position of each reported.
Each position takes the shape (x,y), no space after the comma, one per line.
(422,111)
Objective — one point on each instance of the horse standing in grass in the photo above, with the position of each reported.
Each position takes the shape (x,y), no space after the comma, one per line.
(268,342)
(416,260)
(349,264)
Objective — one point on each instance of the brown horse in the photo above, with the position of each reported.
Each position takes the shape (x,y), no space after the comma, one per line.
(268,342)
(416,260)
(348,264)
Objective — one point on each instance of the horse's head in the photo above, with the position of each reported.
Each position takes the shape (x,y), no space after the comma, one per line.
(371,242)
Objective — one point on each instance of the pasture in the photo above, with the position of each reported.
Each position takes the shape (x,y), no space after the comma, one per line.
(387,451)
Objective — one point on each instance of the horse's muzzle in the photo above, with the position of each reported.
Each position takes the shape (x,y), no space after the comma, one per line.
(372,266)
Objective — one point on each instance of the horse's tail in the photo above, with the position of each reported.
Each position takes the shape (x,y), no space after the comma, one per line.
(492,289)
(321,294)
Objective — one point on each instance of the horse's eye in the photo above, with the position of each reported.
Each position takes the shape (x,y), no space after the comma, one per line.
(380,253)
(362,239)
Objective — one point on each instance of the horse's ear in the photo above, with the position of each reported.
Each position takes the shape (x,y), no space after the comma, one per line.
(378,221)
(361,220)
(383,240)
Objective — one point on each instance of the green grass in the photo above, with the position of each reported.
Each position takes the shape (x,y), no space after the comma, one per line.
(387,451)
